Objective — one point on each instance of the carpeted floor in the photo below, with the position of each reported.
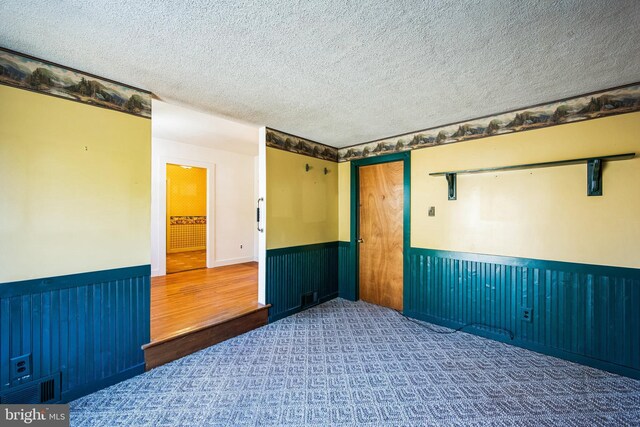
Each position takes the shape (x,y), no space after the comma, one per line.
(345,363)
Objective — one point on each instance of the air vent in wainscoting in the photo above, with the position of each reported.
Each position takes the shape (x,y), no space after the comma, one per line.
(46,390)
(310,298)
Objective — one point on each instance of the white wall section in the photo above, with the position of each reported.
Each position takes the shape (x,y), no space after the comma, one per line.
(262,235)
(230,194)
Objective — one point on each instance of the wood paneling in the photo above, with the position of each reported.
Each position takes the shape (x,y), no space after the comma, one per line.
(297,270)
(586,313)
(186,301)
(88,326)
(381,229)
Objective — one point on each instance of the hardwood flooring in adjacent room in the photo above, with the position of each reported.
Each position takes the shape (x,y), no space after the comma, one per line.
(187,301)
(185,261)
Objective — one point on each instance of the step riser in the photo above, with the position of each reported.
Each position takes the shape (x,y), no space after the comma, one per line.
(157,355)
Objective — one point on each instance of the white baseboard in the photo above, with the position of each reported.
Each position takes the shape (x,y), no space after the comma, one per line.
(223,262)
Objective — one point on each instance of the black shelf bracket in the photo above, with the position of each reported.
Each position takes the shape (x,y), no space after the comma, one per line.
(594,171)
(594,177)
(451,183)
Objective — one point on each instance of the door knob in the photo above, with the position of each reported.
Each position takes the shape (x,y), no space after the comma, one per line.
(360,240)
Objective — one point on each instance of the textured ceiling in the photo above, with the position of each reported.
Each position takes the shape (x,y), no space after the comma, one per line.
(336,71)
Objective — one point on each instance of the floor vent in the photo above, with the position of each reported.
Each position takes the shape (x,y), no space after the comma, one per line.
(43,391)
(310,298)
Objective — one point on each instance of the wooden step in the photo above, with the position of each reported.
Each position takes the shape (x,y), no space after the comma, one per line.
(165,350)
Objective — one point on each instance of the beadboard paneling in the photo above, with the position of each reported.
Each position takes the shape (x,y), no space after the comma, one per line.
(346,274)
(88,326)
(585,313)
(294,271)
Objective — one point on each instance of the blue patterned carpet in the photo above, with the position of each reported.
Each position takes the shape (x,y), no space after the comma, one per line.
(345,363)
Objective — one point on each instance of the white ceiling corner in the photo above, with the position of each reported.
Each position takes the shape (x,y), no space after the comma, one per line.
(182,124)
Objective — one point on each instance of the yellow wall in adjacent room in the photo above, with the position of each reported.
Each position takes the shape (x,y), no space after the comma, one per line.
(344,201)
(187,191)
(75,187)
(535,213)
(302,207)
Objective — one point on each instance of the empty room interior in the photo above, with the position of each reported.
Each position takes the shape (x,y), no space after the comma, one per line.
(320,213)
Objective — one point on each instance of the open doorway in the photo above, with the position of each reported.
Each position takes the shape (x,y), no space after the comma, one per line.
(191,310)
(186,219)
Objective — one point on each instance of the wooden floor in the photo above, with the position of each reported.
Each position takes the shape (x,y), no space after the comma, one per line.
(197,309)
(185,261)
(187,301)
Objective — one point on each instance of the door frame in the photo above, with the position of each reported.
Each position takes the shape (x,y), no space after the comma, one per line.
(161,231)
(405,157)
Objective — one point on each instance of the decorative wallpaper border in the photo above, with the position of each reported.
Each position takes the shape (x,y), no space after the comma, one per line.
(296,144)
(26,72)
(187,220)
(625,99)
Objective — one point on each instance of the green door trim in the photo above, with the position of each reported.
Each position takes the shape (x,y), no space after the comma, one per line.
(354,219)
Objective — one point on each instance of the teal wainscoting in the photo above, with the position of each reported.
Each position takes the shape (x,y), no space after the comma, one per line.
(585,313)
(295,271)
(346,275)
(86,329)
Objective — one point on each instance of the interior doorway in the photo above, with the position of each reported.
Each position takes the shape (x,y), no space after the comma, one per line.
(381,233)
(186,219)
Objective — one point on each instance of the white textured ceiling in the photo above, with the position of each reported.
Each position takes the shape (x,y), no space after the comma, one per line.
(340,72)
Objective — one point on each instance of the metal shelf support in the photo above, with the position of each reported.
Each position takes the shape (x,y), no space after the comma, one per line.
(594,171)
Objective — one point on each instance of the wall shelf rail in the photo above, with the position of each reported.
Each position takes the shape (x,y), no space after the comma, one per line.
(594,171)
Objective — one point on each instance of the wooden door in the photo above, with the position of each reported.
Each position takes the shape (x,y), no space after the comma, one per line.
(381,232)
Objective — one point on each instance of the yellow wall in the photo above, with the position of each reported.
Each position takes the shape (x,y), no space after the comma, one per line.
(536,213)
(302,207)
(344,201)
(187,194)
(74,187)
